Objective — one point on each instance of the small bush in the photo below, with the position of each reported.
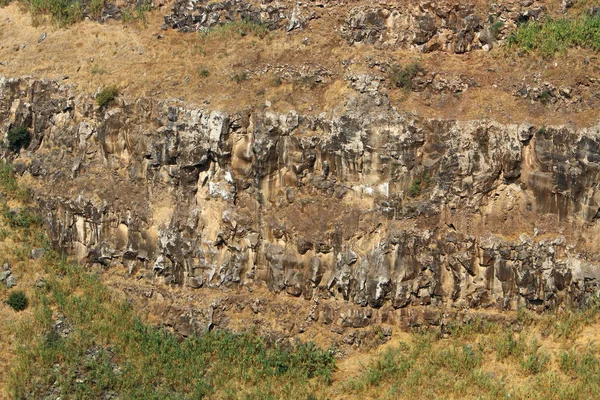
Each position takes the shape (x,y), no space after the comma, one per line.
(496,27)
(98,70)
(18,138)
(545,97)
(17,300)
(276,81)
(508,345)
(239,77)
(306,81)
(415,188)
(107,96)
(403,77)
(205,73)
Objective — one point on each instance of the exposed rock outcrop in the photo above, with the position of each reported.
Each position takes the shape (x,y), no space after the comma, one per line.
(369,206)
(199,15)
(436,26)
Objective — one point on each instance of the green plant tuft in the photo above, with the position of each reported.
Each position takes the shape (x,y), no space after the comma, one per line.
(415,188)
(98,69)
(17,300)
(18,138)
(239,77)
(402,77)
(496,27)
(107,96)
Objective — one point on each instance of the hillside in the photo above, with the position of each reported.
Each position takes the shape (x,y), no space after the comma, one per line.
(326,199)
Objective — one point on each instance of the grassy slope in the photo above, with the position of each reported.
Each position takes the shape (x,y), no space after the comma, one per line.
(551,358)
(553,36)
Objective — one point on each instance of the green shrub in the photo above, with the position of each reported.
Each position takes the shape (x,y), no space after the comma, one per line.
(107,96)
(415,188)
(239,77)
(402,77)
(496,27)
(205,73)
(17,300)
(20,219)
(545,97)
(18,138)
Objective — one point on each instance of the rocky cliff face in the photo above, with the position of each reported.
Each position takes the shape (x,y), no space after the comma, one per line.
(369,206)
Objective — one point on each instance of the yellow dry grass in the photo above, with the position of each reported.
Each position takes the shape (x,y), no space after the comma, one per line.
(91,56)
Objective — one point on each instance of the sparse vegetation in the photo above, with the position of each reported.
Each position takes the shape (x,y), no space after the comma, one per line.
(62,12)
(111,351)
(479,360)
(9,185)
(552,36)
(545,97)
(17,300)
(239,77)
(239,28)
(98,69)
(18,138)
(306,81)
(107,96)
(96,7)
(415,188)
(535,361)
(496,27)
(205,73)
(137,13)
(22,218)
(276,81)
(418,185)
(402,77)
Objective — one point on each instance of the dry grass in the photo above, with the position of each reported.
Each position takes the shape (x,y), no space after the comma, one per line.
(131,57)
(485,360)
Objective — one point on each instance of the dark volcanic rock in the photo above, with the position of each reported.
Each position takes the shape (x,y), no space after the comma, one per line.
(369,206)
